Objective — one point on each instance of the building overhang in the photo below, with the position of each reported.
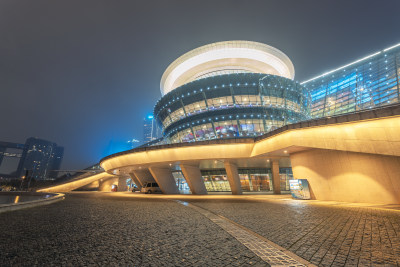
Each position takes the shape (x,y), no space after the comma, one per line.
(372,131)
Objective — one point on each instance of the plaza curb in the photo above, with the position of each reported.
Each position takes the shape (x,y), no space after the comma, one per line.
(34,203)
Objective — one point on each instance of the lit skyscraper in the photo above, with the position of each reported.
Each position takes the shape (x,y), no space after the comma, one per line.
(151,130)
(40,157)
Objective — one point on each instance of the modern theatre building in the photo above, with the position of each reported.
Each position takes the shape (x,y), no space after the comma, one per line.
(234,120)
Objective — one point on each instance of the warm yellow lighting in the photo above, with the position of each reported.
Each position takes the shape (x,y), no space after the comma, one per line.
(223,58)
(78,183)
(377,136)
(16,199)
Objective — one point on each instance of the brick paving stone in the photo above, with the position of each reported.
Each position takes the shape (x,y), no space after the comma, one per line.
(98,229)
(325,235)
(267,252)
(101,229)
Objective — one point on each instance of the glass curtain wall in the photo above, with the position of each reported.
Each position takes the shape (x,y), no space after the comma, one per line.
(285,175)
(255,180)
(251,179)
(227,106)
(369,83)
(216,181)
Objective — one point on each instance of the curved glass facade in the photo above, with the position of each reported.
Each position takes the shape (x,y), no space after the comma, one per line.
(233,105)
(367,83)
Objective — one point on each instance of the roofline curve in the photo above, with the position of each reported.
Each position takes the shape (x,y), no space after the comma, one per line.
(254,55)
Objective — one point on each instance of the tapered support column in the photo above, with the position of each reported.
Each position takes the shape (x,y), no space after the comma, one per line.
(165,180)
(276,180)
(193,178)
(122,187)
(136,180)
(143,176)
(233,178)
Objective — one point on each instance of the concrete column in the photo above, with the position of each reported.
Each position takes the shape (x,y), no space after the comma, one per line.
(165,180)
(233,178)
(276,180)
(143,176)
(193,178)
(122,187)
(136,180)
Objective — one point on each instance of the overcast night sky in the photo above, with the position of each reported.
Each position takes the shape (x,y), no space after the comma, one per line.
(83,73)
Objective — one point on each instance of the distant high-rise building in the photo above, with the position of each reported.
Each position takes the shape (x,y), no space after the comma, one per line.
(151,130)
(55,161)
(10,153)
(40,157)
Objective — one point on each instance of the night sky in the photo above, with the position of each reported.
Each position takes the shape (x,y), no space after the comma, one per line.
(84,73)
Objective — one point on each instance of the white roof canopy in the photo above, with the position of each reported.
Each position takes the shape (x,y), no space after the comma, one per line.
(223,58)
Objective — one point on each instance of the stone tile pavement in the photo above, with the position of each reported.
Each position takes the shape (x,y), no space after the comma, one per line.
(117,230)
(270,253)
(325,235)
(98,229)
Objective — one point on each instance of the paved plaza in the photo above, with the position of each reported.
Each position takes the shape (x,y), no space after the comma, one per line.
(128,229)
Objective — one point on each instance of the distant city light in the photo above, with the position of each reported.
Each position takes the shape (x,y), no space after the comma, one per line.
(150,117)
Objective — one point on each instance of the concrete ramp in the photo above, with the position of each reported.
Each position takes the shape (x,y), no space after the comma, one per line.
(69,186)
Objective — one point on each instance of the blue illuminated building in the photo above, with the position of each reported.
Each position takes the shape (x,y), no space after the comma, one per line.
(264,127)
(231,106)
(244,89)
(229,90)
(151,130)
(367,83)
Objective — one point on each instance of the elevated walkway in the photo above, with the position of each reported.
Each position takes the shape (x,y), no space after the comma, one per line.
(353,157)
(79,181)
(373,131)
